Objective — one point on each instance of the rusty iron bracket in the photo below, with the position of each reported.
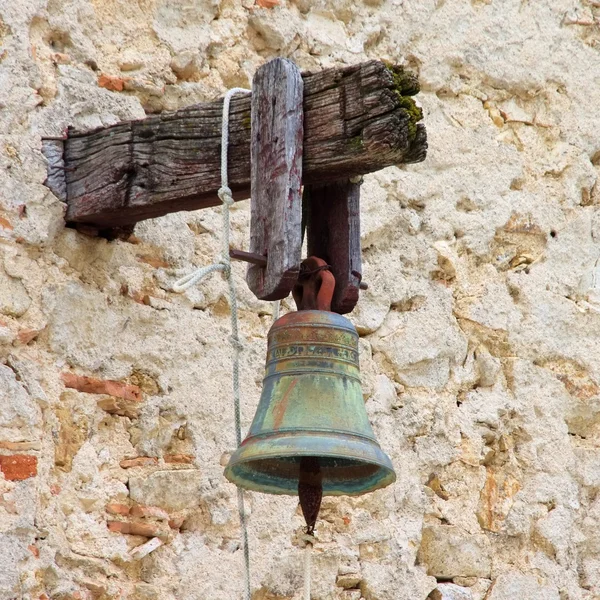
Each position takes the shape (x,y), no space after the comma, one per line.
(316,285)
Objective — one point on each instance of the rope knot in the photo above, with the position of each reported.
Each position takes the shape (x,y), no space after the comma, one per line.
(226,195)
(236,343)
(225,263)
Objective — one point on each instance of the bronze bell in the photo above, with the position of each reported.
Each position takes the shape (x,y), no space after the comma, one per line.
(311,412)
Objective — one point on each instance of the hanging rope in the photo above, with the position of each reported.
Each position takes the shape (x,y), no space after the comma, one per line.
(224,265)
(308,539)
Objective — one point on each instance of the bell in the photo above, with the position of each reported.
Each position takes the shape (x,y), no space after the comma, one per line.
(311,413)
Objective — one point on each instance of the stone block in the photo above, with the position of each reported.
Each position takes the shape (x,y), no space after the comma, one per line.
(171,490)
(448,552)
(513,584)
(348,580)
(422,345)
(14,299)
(19,415)
(13,551)
(119,406)
(449,591)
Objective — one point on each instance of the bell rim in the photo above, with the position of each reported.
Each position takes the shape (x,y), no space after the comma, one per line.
(387,478)
(372,455)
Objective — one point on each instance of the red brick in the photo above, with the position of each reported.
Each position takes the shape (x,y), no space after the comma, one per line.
(147,529)
(34,550)
(59,58)
(149,511)
(133,528)
(176,522)
(138,461)
(27,335)
(140,298)
(117,509)
(118,526)
(91,385)
(115,84)
(18,466)
(184,459)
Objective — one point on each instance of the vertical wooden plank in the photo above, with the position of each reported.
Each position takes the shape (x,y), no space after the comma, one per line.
(333,226)
(276,177)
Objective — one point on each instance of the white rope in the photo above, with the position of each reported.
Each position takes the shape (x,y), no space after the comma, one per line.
(308,539)
(224,265)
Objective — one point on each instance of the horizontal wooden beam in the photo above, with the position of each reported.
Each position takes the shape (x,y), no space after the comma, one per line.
(357,120)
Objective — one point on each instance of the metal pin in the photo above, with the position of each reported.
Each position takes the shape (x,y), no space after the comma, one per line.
(250,257)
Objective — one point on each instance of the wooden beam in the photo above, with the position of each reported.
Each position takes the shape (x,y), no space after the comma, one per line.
(357,120)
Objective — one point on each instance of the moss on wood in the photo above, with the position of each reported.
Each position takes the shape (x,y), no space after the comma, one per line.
(406,85)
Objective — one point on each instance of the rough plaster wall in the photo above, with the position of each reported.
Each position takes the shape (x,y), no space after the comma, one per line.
(479,332)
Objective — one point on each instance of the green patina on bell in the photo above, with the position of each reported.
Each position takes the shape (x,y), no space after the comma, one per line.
(311,406)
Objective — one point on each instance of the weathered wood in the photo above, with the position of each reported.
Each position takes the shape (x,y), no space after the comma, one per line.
(276,178)
(357,120)
(333,229)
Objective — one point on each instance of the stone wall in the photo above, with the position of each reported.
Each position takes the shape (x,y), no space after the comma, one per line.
(480,331)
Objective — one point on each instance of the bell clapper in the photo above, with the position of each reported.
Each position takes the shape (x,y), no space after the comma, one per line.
(310,490)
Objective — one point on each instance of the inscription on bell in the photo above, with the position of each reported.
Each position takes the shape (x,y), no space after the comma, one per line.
(315,336)
(313,350)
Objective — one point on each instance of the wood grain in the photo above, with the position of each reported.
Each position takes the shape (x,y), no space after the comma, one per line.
(357,120)
(276,178)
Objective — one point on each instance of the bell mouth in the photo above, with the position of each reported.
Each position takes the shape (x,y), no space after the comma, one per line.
(350,465)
